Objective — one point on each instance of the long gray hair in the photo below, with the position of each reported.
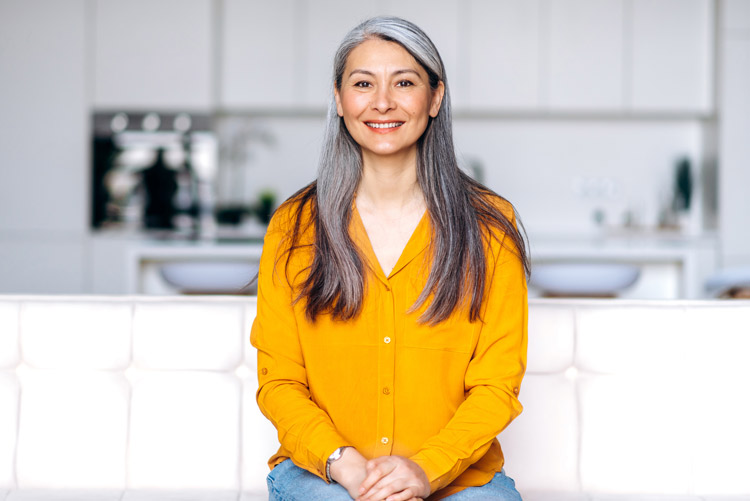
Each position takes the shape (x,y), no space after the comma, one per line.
(463,214)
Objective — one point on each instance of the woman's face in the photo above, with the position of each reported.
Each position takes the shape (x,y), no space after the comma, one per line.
(385,99)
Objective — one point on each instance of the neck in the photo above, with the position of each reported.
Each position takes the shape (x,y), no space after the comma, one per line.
(389,183)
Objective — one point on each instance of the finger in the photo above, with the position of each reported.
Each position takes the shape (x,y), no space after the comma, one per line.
(404,495)
(387,486)
(377,473)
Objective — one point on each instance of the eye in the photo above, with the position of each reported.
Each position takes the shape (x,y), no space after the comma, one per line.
(404,83)
(362,83)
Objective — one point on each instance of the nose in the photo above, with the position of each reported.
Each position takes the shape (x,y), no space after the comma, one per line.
(383,99)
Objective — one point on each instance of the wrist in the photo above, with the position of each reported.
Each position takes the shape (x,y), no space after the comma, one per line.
(335,456)
(349,465)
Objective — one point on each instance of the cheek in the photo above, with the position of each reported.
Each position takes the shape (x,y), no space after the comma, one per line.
(419,106)
(352,104)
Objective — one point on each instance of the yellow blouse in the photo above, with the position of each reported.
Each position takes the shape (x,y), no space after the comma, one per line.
(383,382)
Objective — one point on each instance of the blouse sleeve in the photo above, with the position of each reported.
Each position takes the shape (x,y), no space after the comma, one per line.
(304,429)
(493,378)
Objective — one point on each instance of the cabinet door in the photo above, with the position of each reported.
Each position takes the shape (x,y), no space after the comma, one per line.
(259,41)
(44,122)
(503,54)
(734,152)
(327,22)
(672,63)
(582,54)
(736,17)
(153,54)
(44,265)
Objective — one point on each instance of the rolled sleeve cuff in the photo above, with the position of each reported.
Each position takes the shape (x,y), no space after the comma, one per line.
(437,472)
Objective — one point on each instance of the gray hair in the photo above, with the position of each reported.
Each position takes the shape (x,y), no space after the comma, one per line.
(459,208)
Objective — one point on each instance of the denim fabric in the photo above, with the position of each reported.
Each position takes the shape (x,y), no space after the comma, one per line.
(288,482)
(500,488)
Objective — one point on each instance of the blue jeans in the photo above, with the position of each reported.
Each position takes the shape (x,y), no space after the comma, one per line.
(288,482)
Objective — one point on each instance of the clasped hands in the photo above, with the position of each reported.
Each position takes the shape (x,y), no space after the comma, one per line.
(386,478)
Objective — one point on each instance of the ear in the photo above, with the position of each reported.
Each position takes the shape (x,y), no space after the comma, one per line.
(337,96)
(437,99)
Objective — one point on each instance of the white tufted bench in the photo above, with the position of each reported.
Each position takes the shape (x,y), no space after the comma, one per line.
(143,398)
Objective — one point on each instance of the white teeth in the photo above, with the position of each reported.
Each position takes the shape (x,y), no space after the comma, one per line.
(389,125)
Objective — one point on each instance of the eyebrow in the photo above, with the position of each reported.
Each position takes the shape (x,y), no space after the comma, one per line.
(395,73)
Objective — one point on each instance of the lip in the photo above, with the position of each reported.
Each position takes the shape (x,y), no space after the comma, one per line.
(383,130)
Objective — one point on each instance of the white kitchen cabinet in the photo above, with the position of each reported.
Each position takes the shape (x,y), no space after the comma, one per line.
(43,146)
(671,59)
(582,55)
(326,24)
(502,55)
(43,265)
(44,122)
(736,19)
(153,54)
(260,45)
(734,151)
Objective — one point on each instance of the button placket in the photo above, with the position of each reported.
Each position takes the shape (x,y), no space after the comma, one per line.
(386,372)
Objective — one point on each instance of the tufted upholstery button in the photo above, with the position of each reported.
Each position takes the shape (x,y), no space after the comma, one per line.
(264,371)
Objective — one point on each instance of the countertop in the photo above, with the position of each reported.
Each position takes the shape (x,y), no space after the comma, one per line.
(620,245)
(692,258)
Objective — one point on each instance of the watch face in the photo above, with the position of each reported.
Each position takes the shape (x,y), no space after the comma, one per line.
(337,453)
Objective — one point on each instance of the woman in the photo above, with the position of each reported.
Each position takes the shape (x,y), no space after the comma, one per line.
(391,324)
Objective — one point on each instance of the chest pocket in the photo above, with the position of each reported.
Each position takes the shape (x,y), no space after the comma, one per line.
(455,334)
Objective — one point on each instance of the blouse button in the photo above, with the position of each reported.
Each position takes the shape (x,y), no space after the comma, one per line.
(384,440)
(386,391)
(264,371)
(386,340)
(515,390)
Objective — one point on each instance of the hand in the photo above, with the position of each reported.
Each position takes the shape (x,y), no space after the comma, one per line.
(349,471)
(393,478)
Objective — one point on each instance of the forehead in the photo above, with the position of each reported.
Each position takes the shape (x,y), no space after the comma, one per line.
(376,54)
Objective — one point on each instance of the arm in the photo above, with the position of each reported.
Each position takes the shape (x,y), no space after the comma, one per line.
(493,377)
(283,396)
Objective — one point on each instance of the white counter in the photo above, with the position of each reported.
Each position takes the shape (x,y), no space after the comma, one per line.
(128,263)
(673,266)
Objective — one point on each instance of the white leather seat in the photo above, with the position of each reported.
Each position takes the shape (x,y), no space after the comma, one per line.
(153,398)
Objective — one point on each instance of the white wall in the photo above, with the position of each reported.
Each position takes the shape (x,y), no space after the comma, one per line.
(558,172)
(540,165)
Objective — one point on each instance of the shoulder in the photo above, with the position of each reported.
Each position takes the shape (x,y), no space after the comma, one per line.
(296,213)
(495,214)
(502,205)
(502,232)
(287,244)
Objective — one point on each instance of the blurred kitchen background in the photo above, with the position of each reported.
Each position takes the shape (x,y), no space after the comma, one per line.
(143,138)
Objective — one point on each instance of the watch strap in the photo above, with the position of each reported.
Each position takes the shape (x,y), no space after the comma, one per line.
(335,456)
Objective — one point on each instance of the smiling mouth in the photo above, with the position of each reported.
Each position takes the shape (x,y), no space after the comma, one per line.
(386,125)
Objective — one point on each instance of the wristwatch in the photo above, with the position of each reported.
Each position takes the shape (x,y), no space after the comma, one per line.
(335,456)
